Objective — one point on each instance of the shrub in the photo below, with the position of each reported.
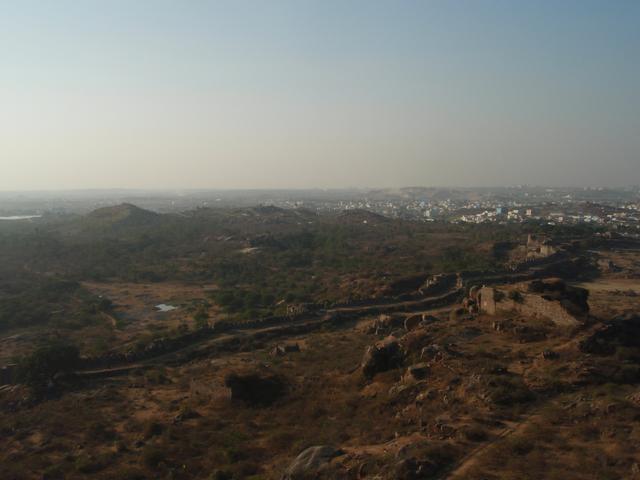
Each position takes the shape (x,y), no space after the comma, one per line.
(475,434)
(505,391)
(39,368)
(520,446)
(201,317)
(153,429)
(88,464)
(516,296)
(128,473)
(99,431)
(221,475)
(152,456)
(441,456)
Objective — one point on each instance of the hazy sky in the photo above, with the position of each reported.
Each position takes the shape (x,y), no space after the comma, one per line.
(105,93)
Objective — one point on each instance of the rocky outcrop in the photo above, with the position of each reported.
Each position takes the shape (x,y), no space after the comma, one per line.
(312,463)
(385,324)
(607,266)
(281,350)
(412,322)
(417,372)
(384,355)
(438,284)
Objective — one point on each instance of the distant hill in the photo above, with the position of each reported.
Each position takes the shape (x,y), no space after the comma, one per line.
(123,215)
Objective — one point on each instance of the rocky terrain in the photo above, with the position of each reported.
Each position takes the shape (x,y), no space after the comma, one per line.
(528,371)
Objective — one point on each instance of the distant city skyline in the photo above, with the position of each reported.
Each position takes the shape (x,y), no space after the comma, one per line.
(333,94)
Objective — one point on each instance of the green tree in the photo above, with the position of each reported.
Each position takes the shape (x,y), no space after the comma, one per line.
(39,368)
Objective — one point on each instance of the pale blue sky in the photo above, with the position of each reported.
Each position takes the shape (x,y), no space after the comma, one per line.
(99,94)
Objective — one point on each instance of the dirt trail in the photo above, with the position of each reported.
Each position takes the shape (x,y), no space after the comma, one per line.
(201,347)
(405,306)
(461,468)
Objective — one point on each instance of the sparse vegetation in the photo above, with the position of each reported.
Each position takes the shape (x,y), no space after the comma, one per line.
(164,395)
(39,368)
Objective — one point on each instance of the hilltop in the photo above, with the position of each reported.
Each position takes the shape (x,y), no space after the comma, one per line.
(125,214)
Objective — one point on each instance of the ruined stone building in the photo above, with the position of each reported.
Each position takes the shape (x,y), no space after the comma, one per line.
(539,246)
(551,299)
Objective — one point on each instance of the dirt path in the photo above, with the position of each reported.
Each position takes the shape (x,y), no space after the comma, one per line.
(405,306)
(205,346)
(461,468)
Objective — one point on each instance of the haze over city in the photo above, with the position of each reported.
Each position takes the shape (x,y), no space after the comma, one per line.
(159,94)
(319,240)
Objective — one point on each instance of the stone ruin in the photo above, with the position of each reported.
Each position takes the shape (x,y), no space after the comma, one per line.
(607,266)
(539,246)
(551,299)
(441,283)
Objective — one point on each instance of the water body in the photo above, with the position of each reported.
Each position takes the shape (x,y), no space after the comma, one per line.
(21,217)
(163,307)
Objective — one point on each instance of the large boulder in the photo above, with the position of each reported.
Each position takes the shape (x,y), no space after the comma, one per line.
(428,319)
(432,352)
(412,322)
(384,324)
(280,350)
(255,388)
(311,463)
(438,284)
(384,355)
(474,291)
(417,372)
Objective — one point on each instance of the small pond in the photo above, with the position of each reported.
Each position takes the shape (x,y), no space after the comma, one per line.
(163,307)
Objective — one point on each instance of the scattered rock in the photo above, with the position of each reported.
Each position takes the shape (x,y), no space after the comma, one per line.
(426,395)
(412,322)
(431,352)
(311,463)
(278,351)
(635,398)
(397,333)
(281,350)
(459,314)
(428,319)
(419,371)
(438,284)
(185,414)
(384,324)
(474,291)
(413,469)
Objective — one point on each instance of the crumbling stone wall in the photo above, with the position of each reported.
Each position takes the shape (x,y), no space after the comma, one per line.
(539,246)
(493,301)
